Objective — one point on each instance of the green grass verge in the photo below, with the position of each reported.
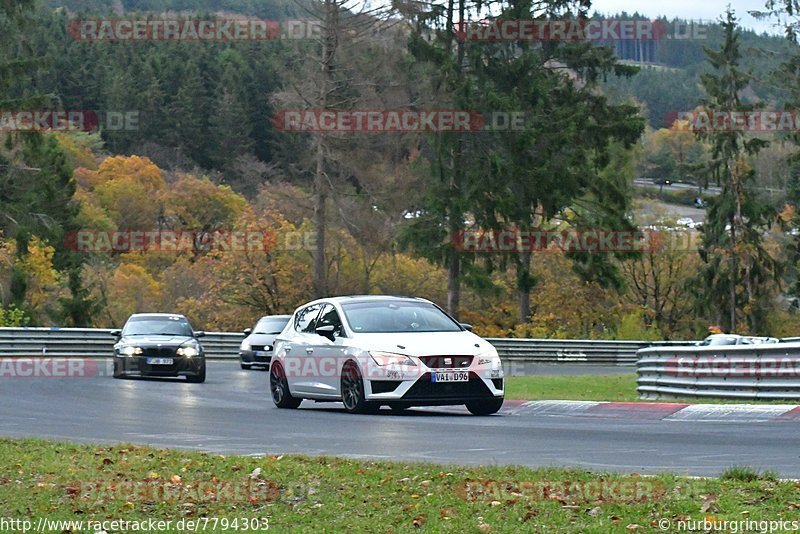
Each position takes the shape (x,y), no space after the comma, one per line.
(619,388)
(616,388)
(94,483)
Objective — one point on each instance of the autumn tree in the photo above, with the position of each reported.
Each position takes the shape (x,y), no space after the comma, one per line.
(438,216)
(660,282)
(527,175)
(786,13)
(740,276)
(231,288)
(565,305)
(129,189)
(131,290)
(343,68)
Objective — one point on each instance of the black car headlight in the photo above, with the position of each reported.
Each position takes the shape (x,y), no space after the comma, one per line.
(189,351)
(130,350)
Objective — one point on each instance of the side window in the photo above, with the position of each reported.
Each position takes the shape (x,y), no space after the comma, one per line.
(305,318)
(329,316)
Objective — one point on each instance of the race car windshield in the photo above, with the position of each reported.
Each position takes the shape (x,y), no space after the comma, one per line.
(139,326)
(377,317)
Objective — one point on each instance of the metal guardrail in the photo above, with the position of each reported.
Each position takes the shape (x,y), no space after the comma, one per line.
(98,343)
(93,343)
(768,371)
(588,351)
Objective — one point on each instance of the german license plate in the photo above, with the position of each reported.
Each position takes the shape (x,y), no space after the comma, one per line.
(450,376)
(261,353)
(159,361)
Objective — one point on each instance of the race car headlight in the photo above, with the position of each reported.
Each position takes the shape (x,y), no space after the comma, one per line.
(130,350)
(245,345)
(190,351)
(384,359)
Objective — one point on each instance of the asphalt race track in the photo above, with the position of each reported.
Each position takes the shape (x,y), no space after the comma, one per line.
(232,413)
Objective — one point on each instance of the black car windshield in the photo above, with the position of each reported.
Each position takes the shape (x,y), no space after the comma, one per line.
(397,316)
(167,325)
(270,325)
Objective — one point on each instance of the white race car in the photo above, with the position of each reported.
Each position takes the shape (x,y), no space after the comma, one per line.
(369,351)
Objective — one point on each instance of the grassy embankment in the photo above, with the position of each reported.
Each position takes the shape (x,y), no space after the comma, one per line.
(83,482)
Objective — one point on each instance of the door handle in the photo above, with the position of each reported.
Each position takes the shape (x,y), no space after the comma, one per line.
(309,350)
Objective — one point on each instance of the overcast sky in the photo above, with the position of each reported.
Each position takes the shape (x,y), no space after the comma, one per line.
(689,9)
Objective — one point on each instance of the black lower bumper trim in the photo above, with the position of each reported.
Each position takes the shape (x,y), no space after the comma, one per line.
(424,391)
(180,367)
(384,386)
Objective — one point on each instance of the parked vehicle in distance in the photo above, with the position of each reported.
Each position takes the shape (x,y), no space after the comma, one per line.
(757,340)
(369,351)
(159,344)
(256,348)
(735,339)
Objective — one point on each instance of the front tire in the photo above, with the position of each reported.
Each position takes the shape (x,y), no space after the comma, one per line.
(279,387)
(246,366)
(200,377)
(485,407)
(352,388)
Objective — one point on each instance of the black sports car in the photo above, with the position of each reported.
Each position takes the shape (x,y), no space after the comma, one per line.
(159,344)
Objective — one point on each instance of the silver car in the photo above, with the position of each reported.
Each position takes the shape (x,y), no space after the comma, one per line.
(256,349)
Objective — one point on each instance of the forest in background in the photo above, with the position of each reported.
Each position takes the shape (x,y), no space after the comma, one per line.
(206,157)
